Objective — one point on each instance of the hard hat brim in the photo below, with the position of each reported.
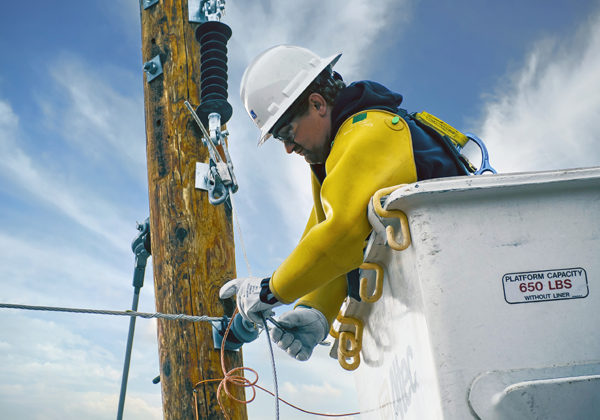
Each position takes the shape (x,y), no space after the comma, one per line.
(329,61)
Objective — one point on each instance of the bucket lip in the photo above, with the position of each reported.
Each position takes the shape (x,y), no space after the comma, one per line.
(484,183)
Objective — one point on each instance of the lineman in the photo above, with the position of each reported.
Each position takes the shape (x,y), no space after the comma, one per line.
(355,143)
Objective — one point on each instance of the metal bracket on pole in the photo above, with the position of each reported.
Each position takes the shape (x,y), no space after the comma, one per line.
(153,68)
(149,3)
(201,11)
(202,173)
(217,176)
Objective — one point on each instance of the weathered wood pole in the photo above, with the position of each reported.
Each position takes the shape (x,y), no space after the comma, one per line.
(192,240)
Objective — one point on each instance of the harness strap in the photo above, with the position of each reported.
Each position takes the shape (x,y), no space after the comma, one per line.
(447,136)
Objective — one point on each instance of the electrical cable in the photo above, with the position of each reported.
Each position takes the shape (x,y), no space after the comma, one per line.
(276,386)
(230,377)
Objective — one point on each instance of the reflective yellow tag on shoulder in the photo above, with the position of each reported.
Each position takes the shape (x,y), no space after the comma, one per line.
(359,117)
(443,128)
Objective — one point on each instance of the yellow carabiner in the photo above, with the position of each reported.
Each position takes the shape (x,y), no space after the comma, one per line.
(389,230)
(378,283)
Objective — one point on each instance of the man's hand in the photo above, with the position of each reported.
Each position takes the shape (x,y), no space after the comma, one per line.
(253,297)
(304,328)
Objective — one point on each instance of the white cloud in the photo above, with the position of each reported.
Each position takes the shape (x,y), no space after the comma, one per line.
(547,115)
(44,273)
(87,108)
(350,26)
(54,370)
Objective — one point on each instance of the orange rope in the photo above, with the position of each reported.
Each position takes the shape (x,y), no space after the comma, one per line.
(229,377)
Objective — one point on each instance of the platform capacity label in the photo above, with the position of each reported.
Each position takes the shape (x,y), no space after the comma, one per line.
(544,285)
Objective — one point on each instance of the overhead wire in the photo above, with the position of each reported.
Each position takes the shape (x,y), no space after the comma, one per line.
(174,317)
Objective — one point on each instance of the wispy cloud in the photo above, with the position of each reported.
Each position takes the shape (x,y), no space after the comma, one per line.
(49,365)
(51,182)
(86,107)
(547,114)
(351,27)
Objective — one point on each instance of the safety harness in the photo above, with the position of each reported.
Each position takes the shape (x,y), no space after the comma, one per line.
(452,140)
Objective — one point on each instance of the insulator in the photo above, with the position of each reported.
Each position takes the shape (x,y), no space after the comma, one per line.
(213,37)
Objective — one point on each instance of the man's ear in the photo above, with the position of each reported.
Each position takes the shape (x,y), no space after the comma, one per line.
(317,101)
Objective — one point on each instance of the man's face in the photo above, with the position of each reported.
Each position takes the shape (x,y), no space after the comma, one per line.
(308,134)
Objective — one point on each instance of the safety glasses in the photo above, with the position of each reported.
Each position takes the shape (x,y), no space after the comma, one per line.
(283,129)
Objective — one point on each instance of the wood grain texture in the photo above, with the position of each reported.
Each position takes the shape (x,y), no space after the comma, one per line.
(192,241)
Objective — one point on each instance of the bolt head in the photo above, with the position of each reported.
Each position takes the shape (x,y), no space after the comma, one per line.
(151,67)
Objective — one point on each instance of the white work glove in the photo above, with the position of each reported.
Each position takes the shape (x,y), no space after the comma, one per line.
(253,297)
(304,328)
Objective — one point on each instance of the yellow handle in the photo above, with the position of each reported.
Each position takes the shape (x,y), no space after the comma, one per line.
(389,230)
(378,283)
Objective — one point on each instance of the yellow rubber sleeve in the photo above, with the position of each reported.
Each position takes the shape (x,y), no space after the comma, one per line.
(368,153)
(327,298)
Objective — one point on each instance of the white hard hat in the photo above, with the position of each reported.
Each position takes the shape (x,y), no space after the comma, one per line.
(275,79)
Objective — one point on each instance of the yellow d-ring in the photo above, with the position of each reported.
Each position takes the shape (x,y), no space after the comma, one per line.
(356,337)
(389,230)
(348,345)
(358,326)
(349,366)
(378,283)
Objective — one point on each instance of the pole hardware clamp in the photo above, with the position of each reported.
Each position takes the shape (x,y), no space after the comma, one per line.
(142,250)
(149,3)
(217,175)
(201,11)
(153,68)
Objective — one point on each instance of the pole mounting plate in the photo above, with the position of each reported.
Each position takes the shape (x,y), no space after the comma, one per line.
(149,3)
(153,68)
(201,176)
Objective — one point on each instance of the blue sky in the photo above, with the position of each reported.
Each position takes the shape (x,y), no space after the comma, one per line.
(523,75)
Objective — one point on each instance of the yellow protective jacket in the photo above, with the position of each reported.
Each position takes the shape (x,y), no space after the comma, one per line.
(371,150)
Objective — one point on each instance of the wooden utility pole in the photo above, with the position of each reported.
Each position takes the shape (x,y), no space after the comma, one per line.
(192,240)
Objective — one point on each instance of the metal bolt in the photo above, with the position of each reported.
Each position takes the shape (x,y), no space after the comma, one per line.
(151,67)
